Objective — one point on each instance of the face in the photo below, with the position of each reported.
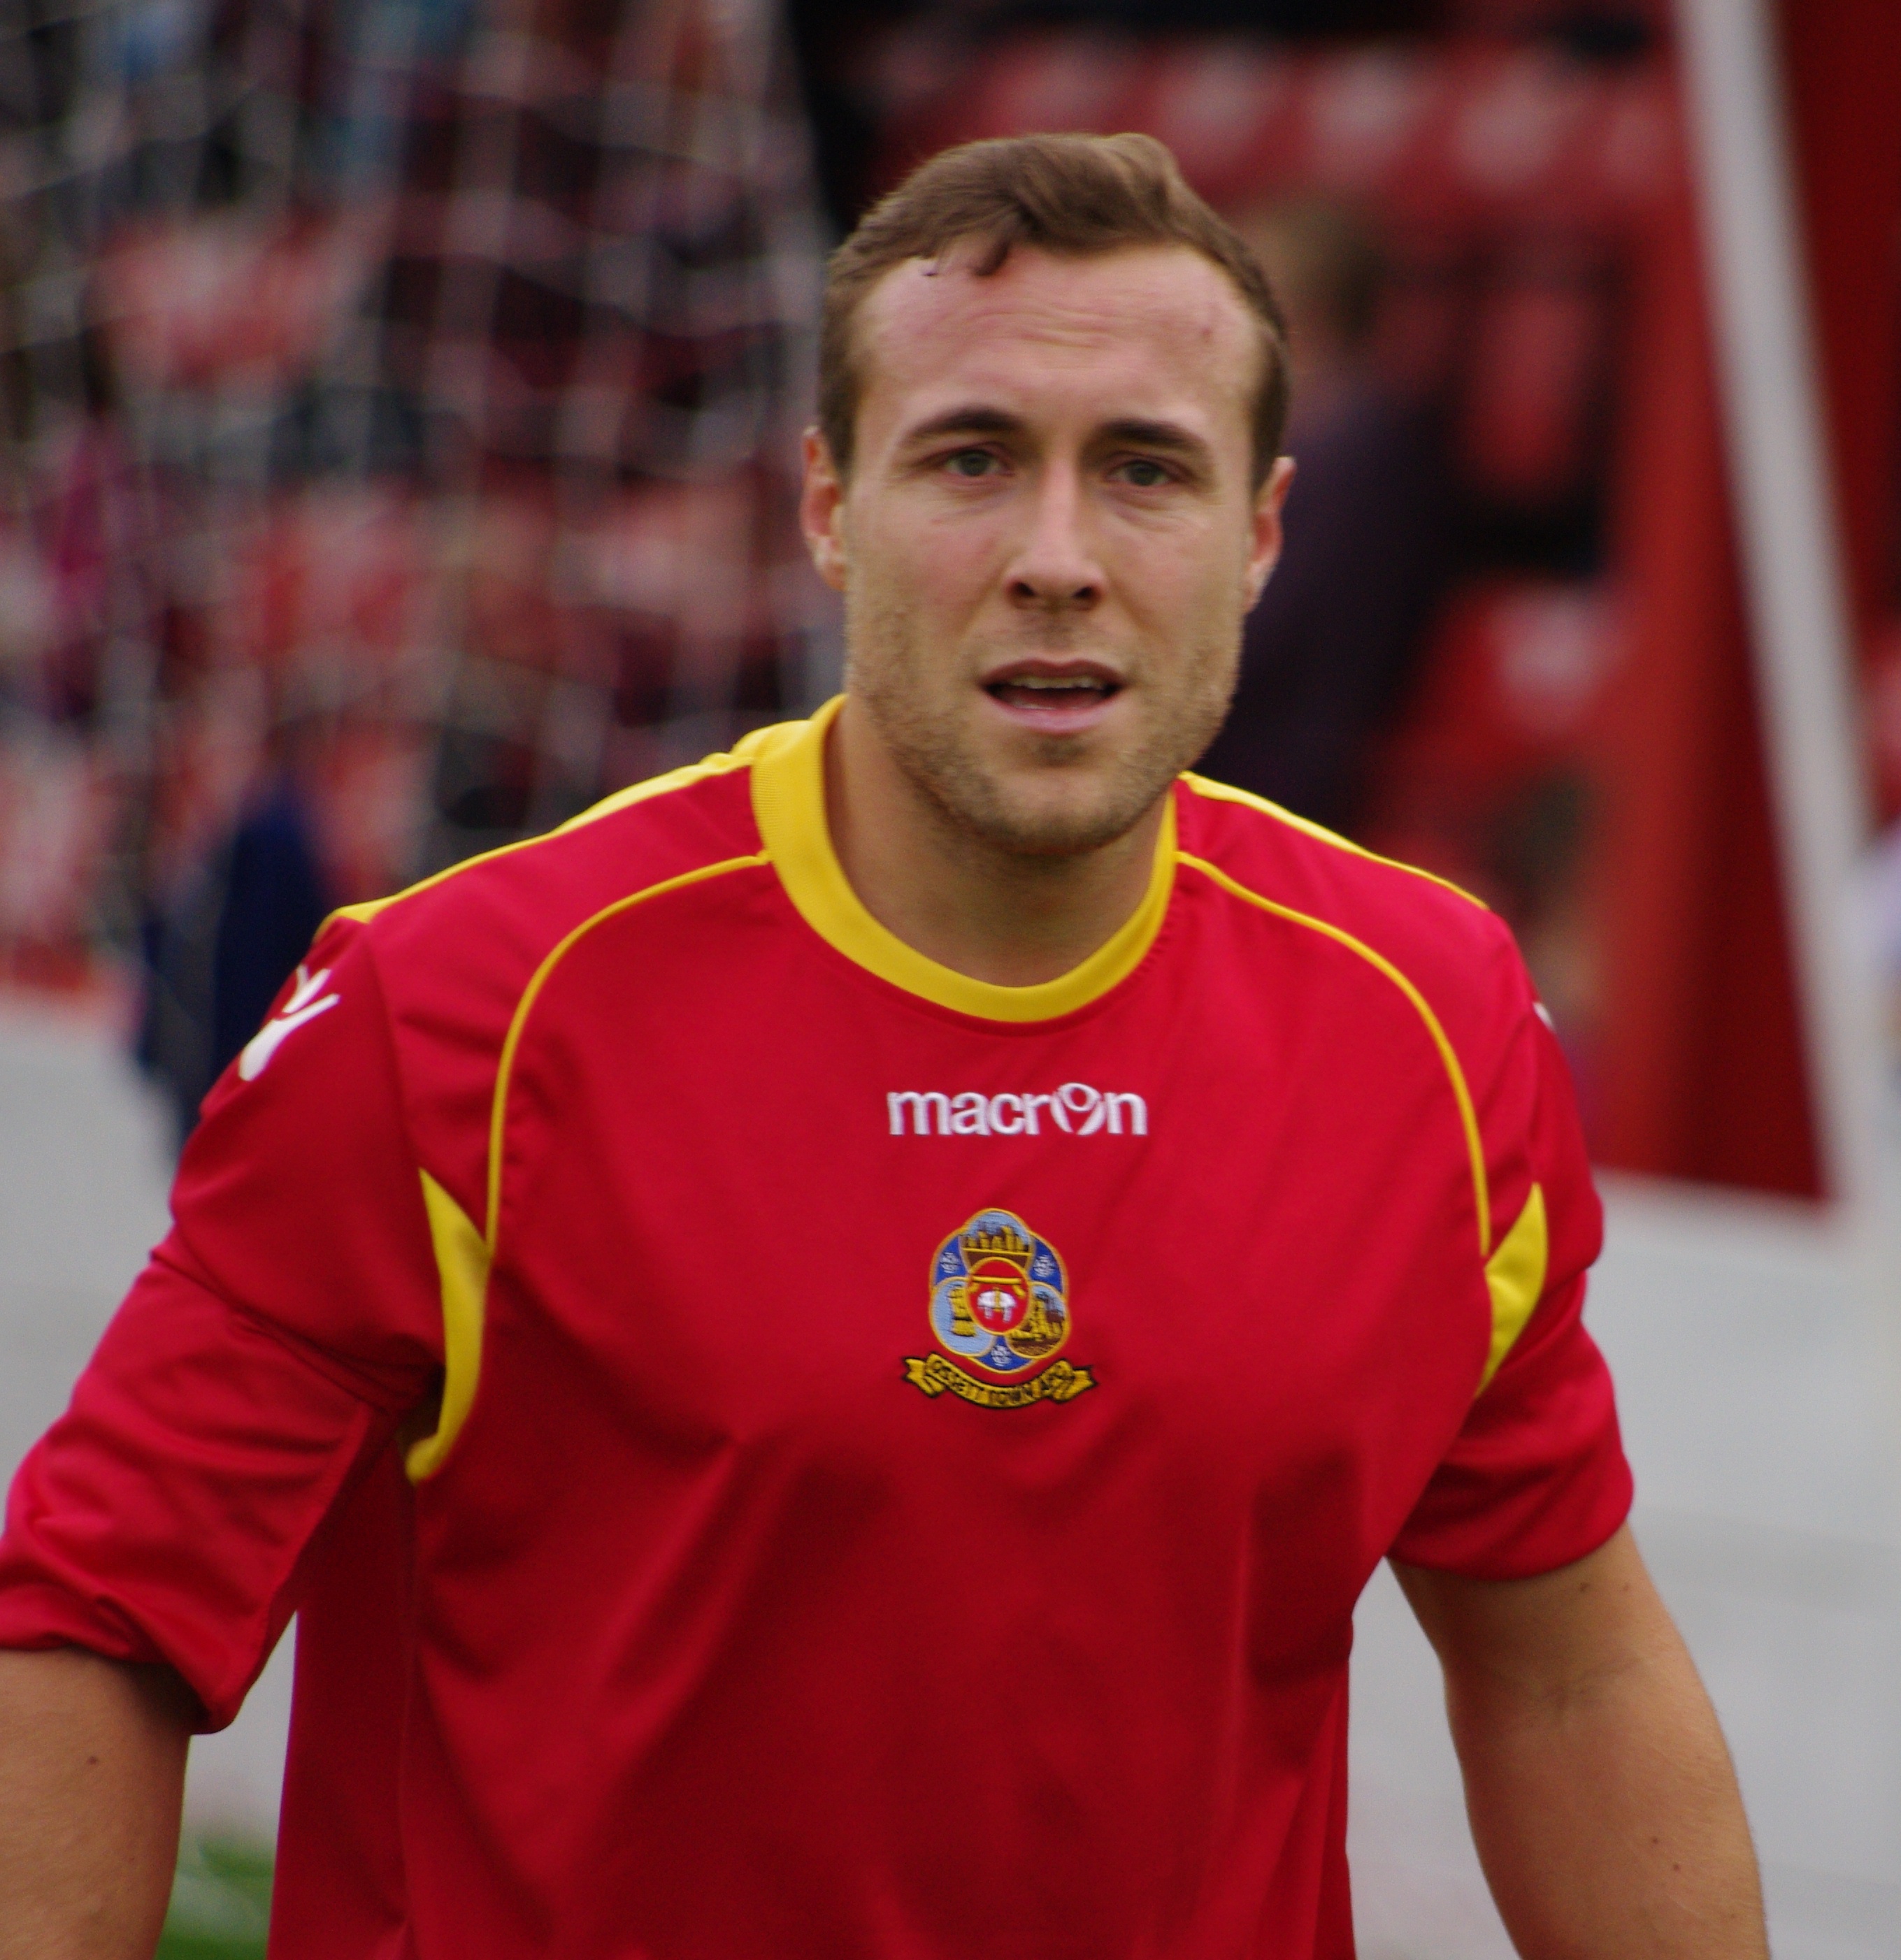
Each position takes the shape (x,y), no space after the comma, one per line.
(1050,538)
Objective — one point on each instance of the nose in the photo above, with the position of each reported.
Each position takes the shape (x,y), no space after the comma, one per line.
(1056,568)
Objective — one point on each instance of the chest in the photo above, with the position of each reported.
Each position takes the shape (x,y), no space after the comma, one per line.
(771,1213)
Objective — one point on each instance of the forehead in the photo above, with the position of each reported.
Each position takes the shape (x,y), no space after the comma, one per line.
(1146,330)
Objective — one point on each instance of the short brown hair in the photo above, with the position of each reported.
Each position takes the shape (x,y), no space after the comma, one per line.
(1074,196)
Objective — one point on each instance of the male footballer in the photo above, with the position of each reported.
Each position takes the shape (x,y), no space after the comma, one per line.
(825,1353)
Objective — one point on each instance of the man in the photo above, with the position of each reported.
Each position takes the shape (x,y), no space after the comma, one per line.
(826,1352)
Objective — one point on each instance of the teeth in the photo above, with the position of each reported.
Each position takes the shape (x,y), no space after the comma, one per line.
(1047,685)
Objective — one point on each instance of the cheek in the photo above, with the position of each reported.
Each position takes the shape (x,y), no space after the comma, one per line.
(930,568)
(1186,592)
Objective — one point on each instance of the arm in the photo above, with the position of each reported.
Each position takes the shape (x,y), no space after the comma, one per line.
(92,1771)
(257,1371)
(1602,1802)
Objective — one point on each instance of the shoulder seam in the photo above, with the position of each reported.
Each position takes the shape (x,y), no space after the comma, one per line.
(1211,791)
(721,765)
(1448,1055)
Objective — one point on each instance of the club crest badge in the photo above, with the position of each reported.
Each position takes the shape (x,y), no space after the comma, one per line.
(1000,1309)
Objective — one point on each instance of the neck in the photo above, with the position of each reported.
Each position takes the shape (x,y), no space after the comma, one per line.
(1010,918)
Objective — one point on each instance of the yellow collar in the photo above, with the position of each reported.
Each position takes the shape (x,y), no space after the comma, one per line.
(788,803)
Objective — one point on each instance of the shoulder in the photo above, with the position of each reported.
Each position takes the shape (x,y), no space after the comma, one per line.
(1449,946)
(486,924)
(1454,962)
(449,967)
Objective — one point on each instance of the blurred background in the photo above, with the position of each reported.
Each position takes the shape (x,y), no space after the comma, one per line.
(399,408)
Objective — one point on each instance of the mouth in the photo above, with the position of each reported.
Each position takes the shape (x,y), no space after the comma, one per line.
(1055,694)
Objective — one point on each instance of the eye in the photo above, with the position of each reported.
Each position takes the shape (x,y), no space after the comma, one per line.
(971,463)
(1144,473)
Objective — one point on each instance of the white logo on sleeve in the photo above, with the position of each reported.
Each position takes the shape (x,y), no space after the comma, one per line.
(301,1007)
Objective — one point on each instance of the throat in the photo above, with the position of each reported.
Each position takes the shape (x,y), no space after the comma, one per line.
(1005,917)
(1012,921)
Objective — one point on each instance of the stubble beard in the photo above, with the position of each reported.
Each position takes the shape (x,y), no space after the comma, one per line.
(937,755)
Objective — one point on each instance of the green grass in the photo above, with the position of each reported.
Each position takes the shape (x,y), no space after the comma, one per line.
(220,1908)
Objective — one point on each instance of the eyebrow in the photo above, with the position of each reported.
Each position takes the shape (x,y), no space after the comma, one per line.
(1156,435)
(974,419)
(978,419)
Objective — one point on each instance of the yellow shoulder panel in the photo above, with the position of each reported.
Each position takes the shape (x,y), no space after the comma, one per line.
(1205,786)
(462,1263)
(1515,1278)
(740,756)
(1455,1075)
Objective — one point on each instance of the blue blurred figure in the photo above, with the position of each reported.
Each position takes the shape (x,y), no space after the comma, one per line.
(216,955)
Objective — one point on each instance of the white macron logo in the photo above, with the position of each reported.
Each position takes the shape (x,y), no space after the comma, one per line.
(301,1007)
(1076,1108)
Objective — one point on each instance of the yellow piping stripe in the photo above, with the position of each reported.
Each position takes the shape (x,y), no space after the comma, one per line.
(1515,1278)
(533,989)
(464,1257)
(1204,786)
(739,757)
(461,1262)
(1475,1148)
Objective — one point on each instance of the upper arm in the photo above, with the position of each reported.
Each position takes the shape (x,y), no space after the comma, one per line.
(1550,1638)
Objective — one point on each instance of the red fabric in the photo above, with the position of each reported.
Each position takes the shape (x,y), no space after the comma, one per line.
(340,1886)
(1706,1076)
(715,1635)
(165,1517)
(1842,76)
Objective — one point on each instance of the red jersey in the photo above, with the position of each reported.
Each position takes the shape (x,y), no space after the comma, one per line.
(782,1448)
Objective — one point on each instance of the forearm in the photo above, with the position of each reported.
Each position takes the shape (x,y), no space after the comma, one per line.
(92,1766)
(1608,1821)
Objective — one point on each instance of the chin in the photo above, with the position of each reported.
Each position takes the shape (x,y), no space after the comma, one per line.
(1030,825)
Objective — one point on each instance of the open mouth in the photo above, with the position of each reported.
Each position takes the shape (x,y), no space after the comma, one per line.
(1022,688)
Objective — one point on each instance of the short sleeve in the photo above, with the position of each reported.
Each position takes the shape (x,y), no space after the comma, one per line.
(260,1363)
(1535,1477)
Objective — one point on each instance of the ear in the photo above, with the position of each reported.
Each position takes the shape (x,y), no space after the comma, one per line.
(1266,544)
(822,511)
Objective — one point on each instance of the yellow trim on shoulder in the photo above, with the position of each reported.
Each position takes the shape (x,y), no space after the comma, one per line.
(788,803)
(1515,1278)
(1205,786)
(464,1255)
(532,992)
(462,1263)
(739,757)
(1468,1117)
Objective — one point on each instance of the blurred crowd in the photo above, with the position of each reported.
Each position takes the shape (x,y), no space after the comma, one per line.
(398,406)
(399,399)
